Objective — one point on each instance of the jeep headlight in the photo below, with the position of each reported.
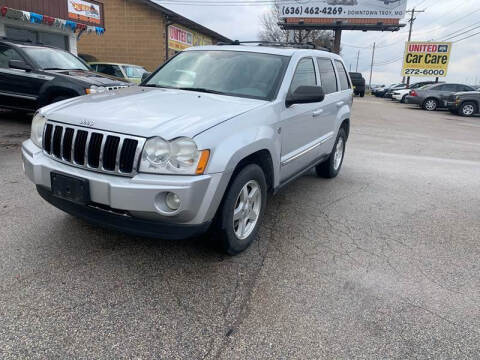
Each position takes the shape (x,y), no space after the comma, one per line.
(179,156)
(95,89)
(38,124)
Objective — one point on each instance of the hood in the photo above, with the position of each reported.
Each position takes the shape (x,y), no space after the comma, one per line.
(90,77)
(151,112)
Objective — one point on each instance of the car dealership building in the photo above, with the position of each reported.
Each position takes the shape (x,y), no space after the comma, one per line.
(56,23)
(137,32)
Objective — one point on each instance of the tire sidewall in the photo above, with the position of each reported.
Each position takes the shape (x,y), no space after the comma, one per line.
(425,104)
(230,243)
(475,110)
(341,134)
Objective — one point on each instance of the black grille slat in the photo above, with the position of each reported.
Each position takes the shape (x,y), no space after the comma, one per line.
(127,155)
(47,142)
(110,152)
(57,141)
(67,144)
(79,148)
(94,148)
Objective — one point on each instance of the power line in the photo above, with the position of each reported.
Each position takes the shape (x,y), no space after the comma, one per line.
(468,37)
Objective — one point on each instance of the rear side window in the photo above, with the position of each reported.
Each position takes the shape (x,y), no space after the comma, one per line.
(327,76)
(344,81)
(108,69)
(304,75)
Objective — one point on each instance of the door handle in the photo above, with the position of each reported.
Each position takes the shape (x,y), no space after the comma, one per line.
(340,103)
(317,113)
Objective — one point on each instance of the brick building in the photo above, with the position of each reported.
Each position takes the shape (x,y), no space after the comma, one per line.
(144,33)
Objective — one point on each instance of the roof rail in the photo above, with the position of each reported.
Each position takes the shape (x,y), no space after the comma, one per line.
(308,45)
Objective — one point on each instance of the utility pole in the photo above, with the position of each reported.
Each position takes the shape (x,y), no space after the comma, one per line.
(371,67)
(358,58)
(411,21)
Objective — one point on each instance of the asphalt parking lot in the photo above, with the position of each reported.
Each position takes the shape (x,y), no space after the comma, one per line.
(380,263)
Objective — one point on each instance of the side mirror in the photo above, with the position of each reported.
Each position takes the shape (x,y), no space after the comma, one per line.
(145,75)
(19,64)
(305,95)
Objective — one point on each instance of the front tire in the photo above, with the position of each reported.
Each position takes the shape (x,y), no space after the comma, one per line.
(242,210)
(404,99)
(468,109)
(331,167)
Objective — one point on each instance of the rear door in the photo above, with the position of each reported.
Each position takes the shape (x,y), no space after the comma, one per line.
(333,100)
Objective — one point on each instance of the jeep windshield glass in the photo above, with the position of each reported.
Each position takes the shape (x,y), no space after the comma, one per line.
(52,59)
(233,73)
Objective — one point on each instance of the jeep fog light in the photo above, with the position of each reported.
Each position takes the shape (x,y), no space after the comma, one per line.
(173,201)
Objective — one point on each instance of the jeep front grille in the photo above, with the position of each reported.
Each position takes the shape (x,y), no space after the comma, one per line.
(93,149)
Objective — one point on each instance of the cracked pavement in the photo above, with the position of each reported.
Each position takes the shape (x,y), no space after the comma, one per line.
(380,263)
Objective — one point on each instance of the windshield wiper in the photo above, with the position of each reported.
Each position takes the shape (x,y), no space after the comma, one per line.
(156,86)
(56,68)
(209,91)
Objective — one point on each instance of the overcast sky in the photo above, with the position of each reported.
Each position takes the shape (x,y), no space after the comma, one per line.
(442,17)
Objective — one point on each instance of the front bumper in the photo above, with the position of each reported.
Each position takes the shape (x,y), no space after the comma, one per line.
(140,198)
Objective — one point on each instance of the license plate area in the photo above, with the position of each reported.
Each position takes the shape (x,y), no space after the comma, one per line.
(70,188)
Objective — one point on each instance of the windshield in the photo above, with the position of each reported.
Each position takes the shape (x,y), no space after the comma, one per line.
(54,59)
(135,72)
(233,73)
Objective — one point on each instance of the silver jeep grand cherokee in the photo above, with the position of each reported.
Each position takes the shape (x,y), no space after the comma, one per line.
(202,141)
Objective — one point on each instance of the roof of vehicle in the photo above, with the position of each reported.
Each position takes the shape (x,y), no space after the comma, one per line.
(112,63)
(26,44)
(275,50)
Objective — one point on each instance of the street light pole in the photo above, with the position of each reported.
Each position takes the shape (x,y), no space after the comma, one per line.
(371,66)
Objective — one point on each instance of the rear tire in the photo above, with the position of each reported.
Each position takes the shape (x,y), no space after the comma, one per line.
(362,94)
(242,210)
(468,109)
(331,167)
(430,104)
(404,99)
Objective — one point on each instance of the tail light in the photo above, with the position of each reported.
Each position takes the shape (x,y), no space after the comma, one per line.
(413,93)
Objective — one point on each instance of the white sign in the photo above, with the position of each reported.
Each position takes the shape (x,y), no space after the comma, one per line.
(343,9)
(84,11)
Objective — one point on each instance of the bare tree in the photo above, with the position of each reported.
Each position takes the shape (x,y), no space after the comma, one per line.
(271,31)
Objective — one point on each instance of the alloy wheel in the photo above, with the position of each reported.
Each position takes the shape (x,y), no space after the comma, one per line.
(247,209)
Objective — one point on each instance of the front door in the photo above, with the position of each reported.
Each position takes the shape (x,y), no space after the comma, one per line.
(300,125)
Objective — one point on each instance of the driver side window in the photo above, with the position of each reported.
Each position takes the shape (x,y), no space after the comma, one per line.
(304,75)
(7,54)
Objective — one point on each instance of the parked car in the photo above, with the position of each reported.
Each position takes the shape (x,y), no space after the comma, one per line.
(131,73)
(381,92)
(32,76)
(401,94)
(195,145)
(464,103)
(435,96)
(389,92)
(375,89)
(358,82)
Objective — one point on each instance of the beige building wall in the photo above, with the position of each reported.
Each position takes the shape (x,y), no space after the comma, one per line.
(135,34)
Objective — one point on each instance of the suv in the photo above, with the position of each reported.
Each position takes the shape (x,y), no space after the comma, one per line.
(358,82)
(464,103)
(32,76)
(200,142)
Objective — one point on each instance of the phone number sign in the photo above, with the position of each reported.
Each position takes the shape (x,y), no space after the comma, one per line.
(426,59)
(343,9)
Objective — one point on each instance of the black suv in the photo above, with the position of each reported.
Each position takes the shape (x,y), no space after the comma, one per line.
(358,82)
(32,76)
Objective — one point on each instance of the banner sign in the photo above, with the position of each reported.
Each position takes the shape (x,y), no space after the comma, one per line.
(343,9)
(82,10)
(426,59)
(179,39)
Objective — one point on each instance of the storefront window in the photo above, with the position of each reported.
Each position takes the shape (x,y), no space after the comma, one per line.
(37,37)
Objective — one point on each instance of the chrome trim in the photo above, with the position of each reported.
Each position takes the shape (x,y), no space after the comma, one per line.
(322,141)
(27,97)
(100,169)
